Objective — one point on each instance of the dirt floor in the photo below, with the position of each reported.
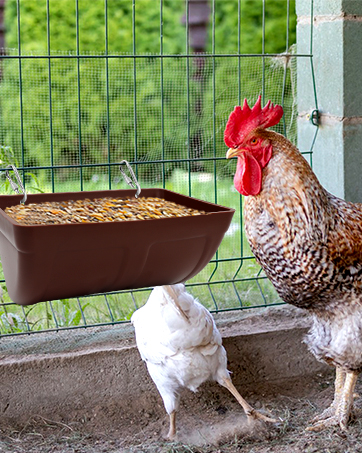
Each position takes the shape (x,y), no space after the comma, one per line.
(214,424)
(96,412)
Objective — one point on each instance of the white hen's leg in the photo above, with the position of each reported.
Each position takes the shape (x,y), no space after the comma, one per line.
(249,410)
(172,431)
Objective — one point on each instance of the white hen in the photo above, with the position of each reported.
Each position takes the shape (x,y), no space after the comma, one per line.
(179,341)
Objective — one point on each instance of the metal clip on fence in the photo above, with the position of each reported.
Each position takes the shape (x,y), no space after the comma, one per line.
(314,117)
(131,182)
(14,186)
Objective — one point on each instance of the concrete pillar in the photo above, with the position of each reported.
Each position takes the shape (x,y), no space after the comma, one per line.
(337,61)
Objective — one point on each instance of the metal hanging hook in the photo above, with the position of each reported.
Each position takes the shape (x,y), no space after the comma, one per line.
(132,182)
(15,186)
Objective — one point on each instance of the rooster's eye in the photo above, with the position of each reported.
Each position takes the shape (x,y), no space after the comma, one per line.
(254,141)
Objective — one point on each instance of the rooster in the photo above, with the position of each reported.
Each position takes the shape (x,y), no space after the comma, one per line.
(178,339)
(308,242)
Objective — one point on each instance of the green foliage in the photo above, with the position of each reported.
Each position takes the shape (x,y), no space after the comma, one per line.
(147,14)
(251,26)
(66,112)
(92,25)
(7,157)
(95,116)
(16,319)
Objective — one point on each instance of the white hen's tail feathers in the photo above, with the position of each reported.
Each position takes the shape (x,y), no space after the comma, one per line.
(195,325)
(172,297)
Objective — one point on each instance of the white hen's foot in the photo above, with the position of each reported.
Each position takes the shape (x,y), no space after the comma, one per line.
(251,413)
(255,415)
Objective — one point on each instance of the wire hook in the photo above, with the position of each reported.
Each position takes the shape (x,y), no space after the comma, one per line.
(14,186)
(132,182)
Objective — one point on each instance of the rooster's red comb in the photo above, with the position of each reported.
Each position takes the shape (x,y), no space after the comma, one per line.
(244,120)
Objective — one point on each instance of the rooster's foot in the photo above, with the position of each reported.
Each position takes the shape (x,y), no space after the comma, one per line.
(338,392)
(330,412)
(325,415)
(340,411)
(334,420)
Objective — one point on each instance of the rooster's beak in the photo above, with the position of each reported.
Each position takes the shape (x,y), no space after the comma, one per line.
(232,152)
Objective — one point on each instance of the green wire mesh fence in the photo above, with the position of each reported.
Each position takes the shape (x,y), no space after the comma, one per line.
(152,82)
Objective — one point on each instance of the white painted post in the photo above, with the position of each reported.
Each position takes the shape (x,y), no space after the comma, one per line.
(337,59)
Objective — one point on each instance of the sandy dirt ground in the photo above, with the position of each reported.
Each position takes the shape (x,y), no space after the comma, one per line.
(214,424)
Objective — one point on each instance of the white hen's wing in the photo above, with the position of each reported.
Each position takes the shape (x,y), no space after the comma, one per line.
(151,335)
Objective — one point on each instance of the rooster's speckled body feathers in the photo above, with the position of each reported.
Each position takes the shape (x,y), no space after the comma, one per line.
(308,242)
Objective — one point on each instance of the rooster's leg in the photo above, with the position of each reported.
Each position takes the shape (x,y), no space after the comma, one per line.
(249,411)
(345,406)
(172,431)
(343,410)
(338,390)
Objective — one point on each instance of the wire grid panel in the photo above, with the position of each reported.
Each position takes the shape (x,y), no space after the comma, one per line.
(70,117)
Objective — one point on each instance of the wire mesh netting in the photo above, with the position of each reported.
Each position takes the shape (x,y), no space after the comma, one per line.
(69,118)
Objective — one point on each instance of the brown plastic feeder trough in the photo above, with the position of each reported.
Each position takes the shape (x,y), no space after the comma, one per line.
(47,262)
